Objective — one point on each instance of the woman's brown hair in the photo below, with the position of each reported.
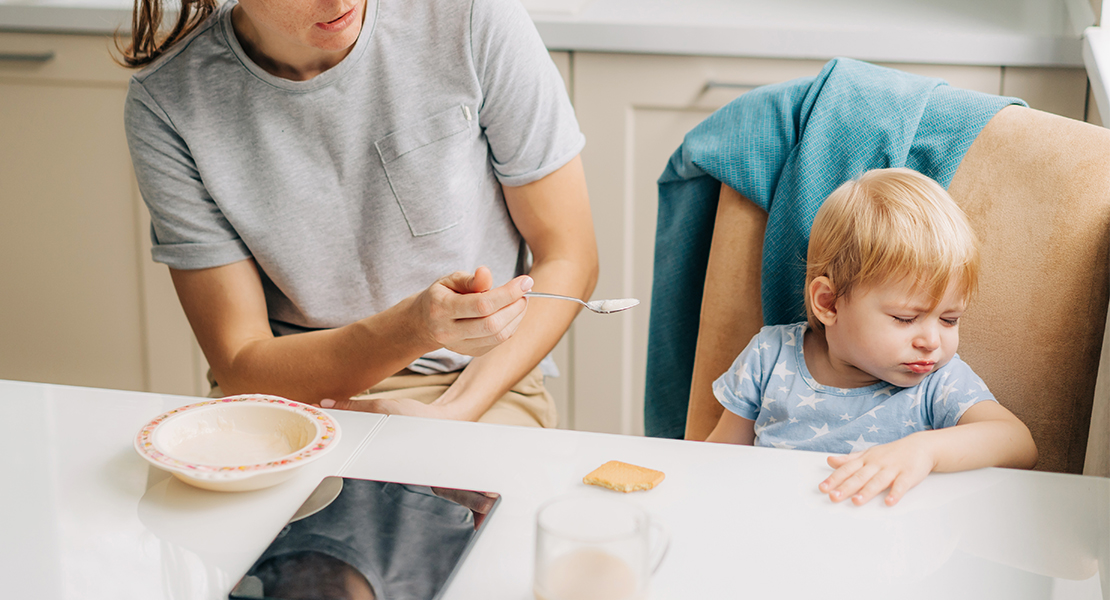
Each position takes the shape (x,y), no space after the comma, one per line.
(146,19)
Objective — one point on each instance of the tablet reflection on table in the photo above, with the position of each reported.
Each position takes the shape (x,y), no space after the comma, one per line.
(359,539)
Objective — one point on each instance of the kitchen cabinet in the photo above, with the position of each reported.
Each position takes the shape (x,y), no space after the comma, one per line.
(81,302)
(634,111)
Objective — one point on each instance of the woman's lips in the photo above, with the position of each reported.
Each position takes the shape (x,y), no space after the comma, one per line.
(920,367)
(339,23)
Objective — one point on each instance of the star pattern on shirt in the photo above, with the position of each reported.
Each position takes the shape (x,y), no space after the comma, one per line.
(781,370)
(772,420)
(916,397)
(873,429)
(871,413)
(744,374)
(883,392)
(793,420)
(810,401)
(818,432)
(784,390)
(764,346)
(945,392)
(791,340)
(982,385)
(845,417)
(909,423)
(783,445)
(768,401)
(860,444)
(966,405)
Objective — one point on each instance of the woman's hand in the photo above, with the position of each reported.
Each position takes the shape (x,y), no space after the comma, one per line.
(396,406)
(899,465)
(461,312)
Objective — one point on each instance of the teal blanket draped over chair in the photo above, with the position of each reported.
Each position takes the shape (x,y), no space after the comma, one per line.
(785,147)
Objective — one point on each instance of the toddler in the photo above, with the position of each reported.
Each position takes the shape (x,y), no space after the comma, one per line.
(873,376)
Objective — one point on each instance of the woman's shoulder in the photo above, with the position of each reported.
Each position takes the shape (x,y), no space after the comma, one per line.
(199,45)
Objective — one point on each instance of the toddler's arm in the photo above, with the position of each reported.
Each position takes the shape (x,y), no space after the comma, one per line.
(733,429)
(987,435)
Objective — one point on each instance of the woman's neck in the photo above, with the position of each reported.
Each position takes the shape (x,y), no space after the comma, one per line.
(296,63)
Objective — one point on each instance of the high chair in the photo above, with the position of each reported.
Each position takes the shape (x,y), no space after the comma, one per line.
(1036,188)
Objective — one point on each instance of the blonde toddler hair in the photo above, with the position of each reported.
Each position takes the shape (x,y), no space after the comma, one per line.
(886,225)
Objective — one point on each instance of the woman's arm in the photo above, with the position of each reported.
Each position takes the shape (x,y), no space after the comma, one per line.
(553,215)
(226,308)
(988,435)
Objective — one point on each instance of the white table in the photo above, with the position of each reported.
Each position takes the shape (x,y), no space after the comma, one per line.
(85,517)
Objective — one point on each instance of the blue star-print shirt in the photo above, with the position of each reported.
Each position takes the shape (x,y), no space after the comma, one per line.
(770,384)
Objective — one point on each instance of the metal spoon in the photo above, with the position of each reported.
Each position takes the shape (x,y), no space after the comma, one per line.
(598,306)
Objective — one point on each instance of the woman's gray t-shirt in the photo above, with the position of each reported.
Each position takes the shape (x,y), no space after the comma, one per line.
(364,184)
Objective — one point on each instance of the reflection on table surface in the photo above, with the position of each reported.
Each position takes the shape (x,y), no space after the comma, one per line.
(84,516)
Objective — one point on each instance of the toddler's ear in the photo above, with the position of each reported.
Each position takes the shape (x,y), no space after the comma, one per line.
(822,299)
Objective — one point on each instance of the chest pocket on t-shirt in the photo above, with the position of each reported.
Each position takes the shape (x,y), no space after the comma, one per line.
(429,171)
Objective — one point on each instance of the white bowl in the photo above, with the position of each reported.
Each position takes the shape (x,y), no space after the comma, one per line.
(237,443)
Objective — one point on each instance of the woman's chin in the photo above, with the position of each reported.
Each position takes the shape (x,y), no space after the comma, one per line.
(342,42)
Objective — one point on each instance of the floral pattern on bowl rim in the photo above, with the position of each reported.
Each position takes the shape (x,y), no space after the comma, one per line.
(327,433)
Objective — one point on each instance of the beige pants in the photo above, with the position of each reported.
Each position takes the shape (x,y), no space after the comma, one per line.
(527,403)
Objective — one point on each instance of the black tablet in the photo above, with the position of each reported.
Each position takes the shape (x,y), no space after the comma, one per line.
(359,539)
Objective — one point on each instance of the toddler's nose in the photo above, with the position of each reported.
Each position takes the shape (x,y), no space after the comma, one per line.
(927,339)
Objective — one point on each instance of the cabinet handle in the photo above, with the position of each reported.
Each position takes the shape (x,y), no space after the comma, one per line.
(39,57)
(709,85)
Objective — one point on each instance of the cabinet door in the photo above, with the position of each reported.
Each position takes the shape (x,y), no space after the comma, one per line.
(75,291)
(1059,91)
(634,111)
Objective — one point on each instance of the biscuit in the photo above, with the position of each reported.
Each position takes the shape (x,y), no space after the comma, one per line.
(623,477)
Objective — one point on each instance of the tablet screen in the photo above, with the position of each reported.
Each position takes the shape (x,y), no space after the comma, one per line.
(359,539)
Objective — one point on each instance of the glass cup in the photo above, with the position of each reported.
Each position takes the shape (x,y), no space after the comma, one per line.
(593,548)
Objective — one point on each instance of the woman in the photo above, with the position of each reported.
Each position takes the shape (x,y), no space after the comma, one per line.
(311,166)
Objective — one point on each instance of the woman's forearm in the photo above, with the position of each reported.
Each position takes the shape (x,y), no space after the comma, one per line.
(227,311)
(490,376)
(553,216)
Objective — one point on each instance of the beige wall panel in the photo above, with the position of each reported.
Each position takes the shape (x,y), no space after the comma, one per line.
(981,79)
(562,62)
(1059,91)
(174,361)
(83,304)
(70,280)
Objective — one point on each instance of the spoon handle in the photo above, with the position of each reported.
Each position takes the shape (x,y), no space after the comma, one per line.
(556,296)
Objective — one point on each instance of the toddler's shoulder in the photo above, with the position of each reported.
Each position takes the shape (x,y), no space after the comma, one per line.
(955,371)
(783,335)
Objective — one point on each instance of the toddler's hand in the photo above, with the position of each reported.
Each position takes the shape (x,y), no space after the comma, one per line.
(899,465)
